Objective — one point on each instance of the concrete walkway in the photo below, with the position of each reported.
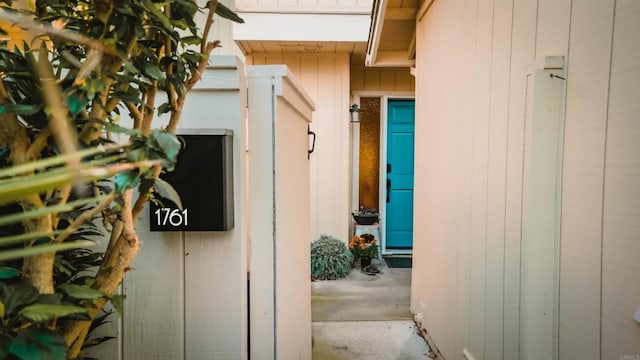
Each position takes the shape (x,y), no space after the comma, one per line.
(366,317)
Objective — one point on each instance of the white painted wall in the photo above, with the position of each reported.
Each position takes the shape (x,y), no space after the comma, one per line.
(325,77)
(471,85)
(186,297)
(279,222)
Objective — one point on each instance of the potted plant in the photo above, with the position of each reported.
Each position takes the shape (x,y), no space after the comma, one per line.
(365,216)
(364,247)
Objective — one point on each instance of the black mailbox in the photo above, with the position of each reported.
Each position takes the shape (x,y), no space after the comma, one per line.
(203,177)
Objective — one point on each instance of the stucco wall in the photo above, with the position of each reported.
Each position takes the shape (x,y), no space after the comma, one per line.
(472,60)
(325,77)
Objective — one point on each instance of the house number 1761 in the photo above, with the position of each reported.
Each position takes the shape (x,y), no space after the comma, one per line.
(173,217)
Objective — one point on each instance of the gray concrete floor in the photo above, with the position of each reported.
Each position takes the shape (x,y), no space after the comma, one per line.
(366,317)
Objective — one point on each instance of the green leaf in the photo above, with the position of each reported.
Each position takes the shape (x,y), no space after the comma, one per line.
(76,102)
(42,249)
(153,9)
(8,273)
(47,312)
(226,13)
(5,342)
(153,71)
(126,180)
(2,313)
(41,344)
(14,218)
(97,341)
(167,191)
(81,292)
(13,171)
(117,301)
(191,40)
(19,109)
(168,142)
(130,67)
(16,296)
(130,96)
(21,238)
(53,299)
(164,108)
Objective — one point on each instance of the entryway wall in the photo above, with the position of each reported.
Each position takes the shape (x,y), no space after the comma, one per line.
(369,173)
(325,76)
(472,60)
(188,295)
(380,83)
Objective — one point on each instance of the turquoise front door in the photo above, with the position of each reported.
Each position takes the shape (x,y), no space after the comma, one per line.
(399,182)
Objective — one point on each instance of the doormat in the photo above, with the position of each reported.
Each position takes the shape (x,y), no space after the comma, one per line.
(398,261)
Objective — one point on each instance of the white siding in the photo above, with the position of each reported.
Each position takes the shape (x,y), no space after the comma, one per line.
(280,301)
(621,208)
(586,121)
(381,80)
(472,58)
(186,295)
(325,77)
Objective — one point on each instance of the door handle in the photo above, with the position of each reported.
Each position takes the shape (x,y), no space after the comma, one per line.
(388,190)
(313,143)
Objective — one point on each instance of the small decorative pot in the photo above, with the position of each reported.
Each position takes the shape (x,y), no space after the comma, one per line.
(365,261)
(365,219)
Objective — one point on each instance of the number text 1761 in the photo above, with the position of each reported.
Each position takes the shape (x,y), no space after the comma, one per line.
(173,217)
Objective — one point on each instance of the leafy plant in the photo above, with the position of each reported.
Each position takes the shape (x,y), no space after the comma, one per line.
(330,259)
(62,94)
(26,316)
(363,246)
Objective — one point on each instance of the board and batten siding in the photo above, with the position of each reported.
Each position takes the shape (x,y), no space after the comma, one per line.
(186,296)
(381,80)
(471,101)
(325,77)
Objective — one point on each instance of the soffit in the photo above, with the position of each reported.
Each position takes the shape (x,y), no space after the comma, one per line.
(392,34)
(258,46)
(302,32)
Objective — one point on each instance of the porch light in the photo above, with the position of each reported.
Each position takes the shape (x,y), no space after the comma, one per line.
(354,111)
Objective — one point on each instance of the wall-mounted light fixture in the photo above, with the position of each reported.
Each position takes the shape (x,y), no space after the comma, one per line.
(354,112)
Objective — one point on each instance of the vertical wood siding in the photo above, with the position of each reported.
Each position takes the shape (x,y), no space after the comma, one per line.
(470,91)
(325,77)
(186,295)
(586,122)
(381,79)
(621,209)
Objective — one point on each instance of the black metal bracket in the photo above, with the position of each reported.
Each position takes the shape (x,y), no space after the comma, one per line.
(313,144)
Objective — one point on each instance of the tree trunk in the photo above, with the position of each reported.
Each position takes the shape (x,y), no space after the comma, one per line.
(122,250)
(38,269)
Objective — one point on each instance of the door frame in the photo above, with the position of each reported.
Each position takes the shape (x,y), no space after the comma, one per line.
(355,139)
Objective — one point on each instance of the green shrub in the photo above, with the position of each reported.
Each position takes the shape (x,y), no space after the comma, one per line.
(330,259)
